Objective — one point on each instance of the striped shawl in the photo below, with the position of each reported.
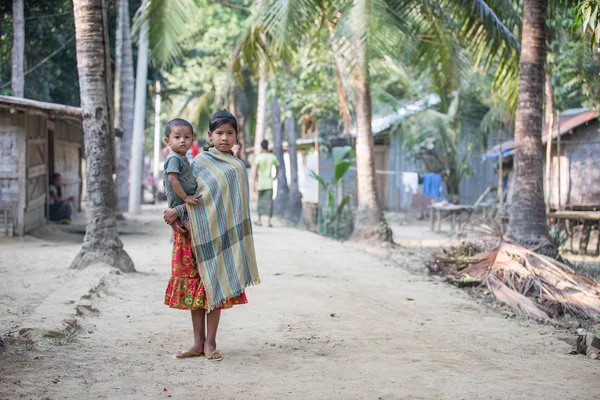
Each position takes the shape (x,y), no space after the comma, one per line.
(221,229)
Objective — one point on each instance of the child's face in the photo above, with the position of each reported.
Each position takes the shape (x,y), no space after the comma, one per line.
(180,139)
(224,137)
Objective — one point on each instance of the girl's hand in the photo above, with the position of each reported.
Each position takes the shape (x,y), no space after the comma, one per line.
(170,216)
(193,200)
(177,227)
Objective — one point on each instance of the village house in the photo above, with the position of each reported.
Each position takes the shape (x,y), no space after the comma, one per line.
(37,139)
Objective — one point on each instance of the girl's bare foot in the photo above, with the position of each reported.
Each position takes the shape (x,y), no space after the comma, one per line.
(194,351)
(211,353)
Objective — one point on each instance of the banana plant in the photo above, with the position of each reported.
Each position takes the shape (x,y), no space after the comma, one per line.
(343,159)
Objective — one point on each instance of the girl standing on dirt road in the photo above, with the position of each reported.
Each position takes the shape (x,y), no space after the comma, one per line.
(214,262)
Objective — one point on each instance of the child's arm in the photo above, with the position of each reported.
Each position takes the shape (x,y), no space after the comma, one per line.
(174,181)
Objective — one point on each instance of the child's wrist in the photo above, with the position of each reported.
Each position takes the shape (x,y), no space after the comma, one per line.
(180,211)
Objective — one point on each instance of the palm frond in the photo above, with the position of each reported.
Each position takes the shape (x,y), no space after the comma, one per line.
(169,23)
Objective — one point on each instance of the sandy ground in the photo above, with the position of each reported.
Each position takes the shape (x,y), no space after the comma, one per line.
(329,321)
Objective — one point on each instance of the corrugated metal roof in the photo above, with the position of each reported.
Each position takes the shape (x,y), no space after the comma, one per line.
(20,103)
(569,120)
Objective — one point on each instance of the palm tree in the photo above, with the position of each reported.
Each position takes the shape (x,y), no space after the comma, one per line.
(294,207)
(369,220)
(124,84)
(162,27)
(18,49)
(101,242)
(527,223)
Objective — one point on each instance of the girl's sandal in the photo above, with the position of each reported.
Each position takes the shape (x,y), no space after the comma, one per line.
(187,354)
(214,355)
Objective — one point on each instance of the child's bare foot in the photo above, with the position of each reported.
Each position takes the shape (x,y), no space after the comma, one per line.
(194,351)
(211,353)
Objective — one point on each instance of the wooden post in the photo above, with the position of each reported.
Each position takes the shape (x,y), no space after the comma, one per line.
(559,205)
(549,162)
(500,174)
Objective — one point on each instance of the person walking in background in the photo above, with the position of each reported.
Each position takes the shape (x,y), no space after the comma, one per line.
(263,182)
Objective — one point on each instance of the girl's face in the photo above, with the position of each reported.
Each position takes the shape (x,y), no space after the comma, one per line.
(223,138)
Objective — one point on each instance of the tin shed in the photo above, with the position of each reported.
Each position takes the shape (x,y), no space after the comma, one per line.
(37,139)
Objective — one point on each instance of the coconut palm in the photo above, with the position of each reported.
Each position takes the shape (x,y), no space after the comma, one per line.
(162,27)
(368,29)
(101,242)
(528,218)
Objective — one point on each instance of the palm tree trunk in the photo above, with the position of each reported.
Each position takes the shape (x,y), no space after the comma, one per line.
(281,201)
(18,49)
(137,145)
(261,109)
(101,243)
(342,95)
(369,222)
(294,207)
(527,225)
(126,102)
(241,119)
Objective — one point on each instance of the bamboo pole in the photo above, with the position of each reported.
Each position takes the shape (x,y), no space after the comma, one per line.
(549,137)
(500,174)
(549,162)
(558,162)
(157,106)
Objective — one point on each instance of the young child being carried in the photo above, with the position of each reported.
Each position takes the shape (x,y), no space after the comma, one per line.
(180,183)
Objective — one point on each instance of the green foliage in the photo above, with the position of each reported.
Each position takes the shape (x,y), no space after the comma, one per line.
(444,141)
(170,23)
(50,59)
(332,214)
(587,20)
(196,83)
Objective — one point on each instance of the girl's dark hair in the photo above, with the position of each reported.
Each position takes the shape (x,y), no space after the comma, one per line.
(177,122)
(218,119)
(221,118)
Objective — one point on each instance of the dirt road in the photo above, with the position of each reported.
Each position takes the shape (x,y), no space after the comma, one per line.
(329,321)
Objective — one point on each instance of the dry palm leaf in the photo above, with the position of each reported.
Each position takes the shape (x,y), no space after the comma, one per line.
(533,285)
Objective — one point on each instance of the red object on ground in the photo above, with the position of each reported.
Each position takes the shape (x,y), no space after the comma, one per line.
(164,389)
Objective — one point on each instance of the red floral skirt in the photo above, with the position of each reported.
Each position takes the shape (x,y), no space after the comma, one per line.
(185,290)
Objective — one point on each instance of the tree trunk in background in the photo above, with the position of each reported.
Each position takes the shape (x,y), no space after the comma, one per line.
(343,99)
(126,102)
(241,119)
(369,222)
(342,95)
(281,201)
(261,109)
(294,206)
(18,49)
(527,225)
(101,243)
(139,116)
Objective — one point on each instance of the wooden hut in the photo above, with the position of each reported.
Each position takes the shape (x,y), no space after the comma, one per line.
(37,139)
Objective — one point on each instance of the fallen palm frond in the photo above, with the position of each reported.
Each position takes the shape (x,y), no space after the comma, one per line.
(447,262)
(532,285)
